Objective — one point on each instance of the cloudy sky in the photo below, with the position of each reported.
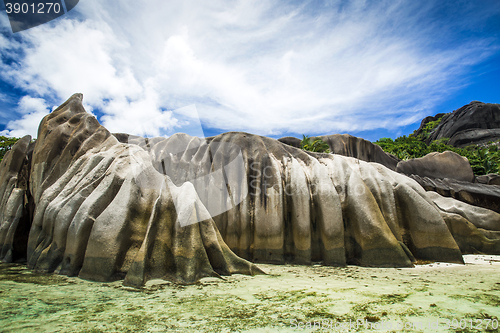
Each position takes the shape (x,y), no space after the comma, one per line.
(276,68)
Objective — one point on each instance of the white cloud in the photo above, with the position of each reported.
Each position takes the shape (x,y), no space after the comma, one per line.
(259,66)
(33,110)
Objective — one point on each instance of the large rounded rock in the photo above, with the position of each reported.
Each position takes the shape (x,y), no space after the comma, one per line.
(475,229)
(474,123)
(476,194)
(182,208)
(15,201)
(438,165)
(93,219)
(288,205)
(291,141)
(351,146)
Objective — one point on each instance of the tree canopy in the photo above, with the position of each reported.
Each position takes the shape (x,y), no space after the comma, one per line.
(318,145)
(483,159)
(6,144)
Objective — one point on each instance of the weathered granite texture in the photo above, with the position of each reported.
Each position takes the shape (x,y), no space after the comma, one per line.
(474,123)
(477,194)
(351,146)
(438,165)
(15,201)
(489,179)
(181,208)
(91,218)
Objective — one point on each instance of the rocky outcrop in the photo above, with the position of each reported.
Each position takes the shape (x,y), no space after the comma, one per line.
(348,145)
(474,123)
(351,146)
(475,136)
(475,229)
(291,141)
(16,202)
(93,220)
(438,165)
(489,179)
(477,194)
(182,208)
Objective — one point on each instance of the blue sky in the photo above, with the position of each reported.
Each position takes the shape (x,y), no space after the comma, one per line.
(276,68)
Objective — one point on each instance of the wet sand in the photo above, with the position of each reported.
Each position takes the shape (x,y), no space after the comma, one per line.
(427,298)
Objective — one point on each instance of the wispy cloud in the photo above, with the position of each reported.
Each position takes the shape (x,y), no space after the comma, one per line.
(32,111)
(260,66)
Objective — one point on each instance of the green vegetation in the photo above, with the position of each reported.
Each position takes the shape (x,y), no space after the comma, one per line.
(483,160)
(429,128)
(318,145)
(6,144)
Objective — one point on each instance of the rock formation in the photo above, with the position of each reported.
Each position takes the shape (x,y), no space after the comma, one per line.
(447,173)
(477,194)
(489,179)
(474,123)
(438,165)
(351,146)
(291,141)
(16,202)
(475,229)
(181,208)
(94,221)
(450,175)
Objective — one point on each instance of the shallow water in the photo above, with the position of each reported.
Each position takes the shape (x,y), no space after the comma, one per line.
(357,299)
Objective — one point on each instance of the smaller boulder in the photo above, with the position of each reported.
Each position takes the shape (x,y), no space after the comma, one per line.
(291,141)
(439,166)
(489,179)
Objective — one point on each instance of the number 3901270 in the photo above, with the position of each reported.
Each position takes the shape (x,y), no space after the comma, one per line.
(39,8)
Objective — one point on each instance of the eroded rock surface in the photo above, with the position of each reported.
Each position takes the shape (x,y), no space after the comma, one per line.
(477,194)
(182,208)
(94,221)
(351,146)
(489,179)
(16,204)
(438,165)
(475,229)
(474,123)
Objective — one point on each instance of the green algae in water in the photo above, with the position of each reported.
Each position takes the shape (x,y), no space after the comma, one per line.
(20,274)
(31,302)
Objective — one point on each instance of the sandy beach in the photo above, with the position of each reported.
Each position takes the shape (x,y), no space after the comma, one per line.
(430,297)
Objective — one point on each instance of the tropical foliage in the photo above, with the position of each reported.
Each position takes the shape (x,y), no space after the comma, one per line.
(6,144)
(318,145)
(429,128)
(483,159)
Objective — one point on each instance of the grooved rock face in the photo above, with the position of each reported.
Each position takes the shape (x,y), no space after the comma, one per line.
(474,123)
(348,145)
(94,220)
(351,146)
(182,208)
(438,165)
(474,229)
(477,194)
(14,226)
(489,179)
